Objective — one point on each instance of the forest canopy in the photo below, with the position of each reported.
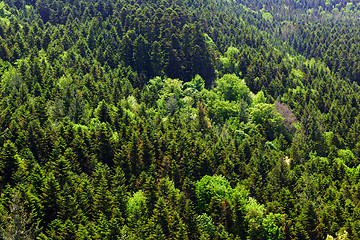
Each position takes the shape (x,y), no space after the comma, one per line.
(169,119)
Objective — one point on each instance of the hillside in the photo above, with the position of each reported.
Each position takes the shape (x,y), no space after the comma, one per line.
(169,119)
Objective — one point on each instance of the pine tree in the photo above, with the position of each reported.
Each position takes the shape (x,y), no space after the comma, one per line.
(51,199)
(127,50)
(9,161)
(104,145)
(103,112)
(141,57)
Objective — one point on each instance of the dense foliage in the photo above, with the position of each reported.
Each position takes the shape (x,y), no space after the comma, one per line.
(167,119)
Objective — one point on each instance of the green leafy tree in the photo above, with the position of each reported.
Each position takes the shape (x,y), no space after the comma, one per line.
(267,120)
(230,61)
(136,208)
(232,88)
(254,217)
(212,187)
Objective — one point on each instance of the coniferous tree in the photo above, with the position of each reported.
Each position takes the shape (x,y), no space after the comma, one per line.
(9,163)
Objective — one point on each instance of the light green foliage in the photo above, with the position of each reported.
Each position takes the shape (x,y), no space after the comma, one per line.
(208,40)
(231,88)
(131,103)
(259,98)
(223,110)
(230,61)
(346,155)
(171,87)
(10,81)
(94,124)
(264,116)
(4,14)
(240,198)
(261,226)
(171,105)
(240,193)
(254,217)
(64,82)
(197,83)
(349,7)
(225,63)
(267,16)
(170,91)
(298,77)
(271,145)
(126,233)
(340,235)
(272,228)
(212,187)
(229,101)
(136,206)
(314,63)
(232,53)
(348,160)
(206,225)
(155,84)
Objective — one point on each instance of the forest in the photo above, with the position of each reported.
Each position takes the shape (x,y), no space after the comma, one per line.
(179,119)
